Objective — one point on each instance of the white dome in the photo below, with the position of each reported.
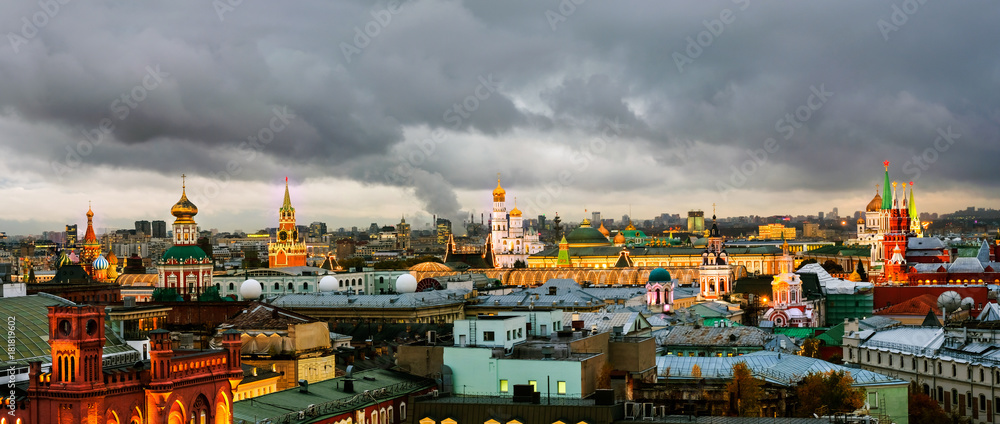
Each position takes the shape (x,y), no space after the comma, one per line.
(968,303)
(328,283)
(949,301)
(251,290)
(406,283)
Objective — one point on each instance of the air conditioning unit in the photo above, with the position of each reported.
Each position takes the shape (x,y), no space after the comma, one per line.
(435,393)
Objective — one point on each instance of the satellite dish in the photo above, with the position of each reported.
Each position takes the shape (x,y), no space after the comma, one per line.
(968,303)
(949,301)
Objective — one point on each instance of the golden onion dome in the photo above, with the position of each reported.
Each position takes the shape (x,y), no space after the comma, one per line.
(90,212)
(604,230)
(875,204)
(861,220)
(620,238)
(499,193)
(515,212)
(112,259)
(184,210)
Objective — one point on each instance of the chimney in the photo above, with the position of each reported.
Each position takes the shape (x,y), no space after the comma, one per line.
(547,352)
(303,386)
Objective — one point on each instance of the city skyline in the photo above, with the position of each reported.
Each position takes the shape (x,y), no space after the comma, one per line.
(372,108)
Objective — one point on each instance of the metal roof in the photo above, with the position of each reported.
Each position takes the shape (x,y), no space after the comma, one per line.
(403,300)
(774,367)
(31,328)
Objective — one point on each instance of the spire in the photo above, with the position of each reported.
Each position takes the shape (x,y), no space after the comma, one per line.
(287,204)
(912,204)
(886,190)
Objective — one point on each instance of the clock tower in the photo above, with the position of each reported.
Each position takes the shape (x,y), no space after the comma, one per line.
(287,249)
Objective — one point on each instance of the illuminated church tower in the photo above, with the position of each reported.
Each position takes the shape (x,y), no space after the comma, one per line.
(91,247)
(715,275)
(185,267)
(287,250)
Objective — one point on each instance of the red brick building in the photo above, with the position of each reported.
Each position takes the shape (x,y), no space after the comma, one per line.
(171,387)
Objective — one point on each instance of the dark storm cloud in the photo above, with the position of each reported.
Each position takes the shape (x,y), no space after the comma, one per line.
(486,73)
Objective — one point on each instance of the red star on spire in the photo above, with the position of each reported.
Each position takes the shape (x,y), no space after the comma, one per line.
(886,163)
(911,183)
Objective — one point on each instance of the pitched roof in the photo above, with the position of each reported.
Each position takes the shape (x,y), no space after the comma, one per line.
(32,330)
(991,312)
(917,306)
(685,335)
(774,367)
(261,316)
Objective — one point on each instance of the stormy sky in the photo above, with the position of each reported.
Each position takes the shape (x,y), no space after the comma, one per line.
(380,110)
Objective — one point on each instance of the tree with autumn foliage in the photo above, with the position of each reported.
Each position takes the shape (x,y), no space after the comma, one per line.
(923,409)
(745,392)
(828,393)
(810,348)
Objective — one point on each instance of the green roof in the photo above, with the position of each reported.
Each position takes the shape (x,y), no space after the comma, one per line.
(834,336)
(796,332)
(182,253)
(586,235)
(840,250)
(31,341)
(637,252)
(328,397)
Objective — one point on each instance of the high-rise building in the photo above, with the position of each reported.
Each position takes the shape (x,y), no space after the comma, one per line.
(696,221)
(144,227)
(317,229)
(159,229)
(443,230)
(541,222)
(403,234)
(71,235)
(595,217)
(821,216)
(810,230)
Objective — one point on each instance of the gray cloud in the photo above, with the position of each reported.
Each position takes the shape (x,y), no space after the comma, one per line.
(360,116)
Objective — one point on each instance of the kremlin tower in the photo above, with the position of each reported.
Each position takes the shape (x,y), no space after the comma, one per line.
(890,220)
(287,250)
(185,267)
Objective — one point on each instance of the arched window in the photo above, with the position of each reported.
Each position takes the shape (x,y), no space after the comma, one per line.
(277,286)
(291,287)
(305,286)
(231,286)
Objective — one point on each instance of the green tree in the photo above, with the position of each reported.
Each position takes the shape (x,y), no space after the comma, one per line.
(810,348)
(745,392)
(861,271)
(520,264)
(827,393)
(833,267)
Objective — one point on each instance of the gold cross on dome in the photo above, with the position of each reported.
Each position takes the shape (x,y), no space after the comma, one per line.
(183,180)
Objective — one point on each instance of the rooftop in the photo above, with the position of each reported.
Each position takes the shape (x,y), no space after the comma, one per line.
(261,316)
(328,398)
(401,300)
(773,367)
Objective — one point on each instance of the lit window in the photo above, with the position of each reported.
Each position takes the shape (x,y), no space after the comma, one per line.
(534,384)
